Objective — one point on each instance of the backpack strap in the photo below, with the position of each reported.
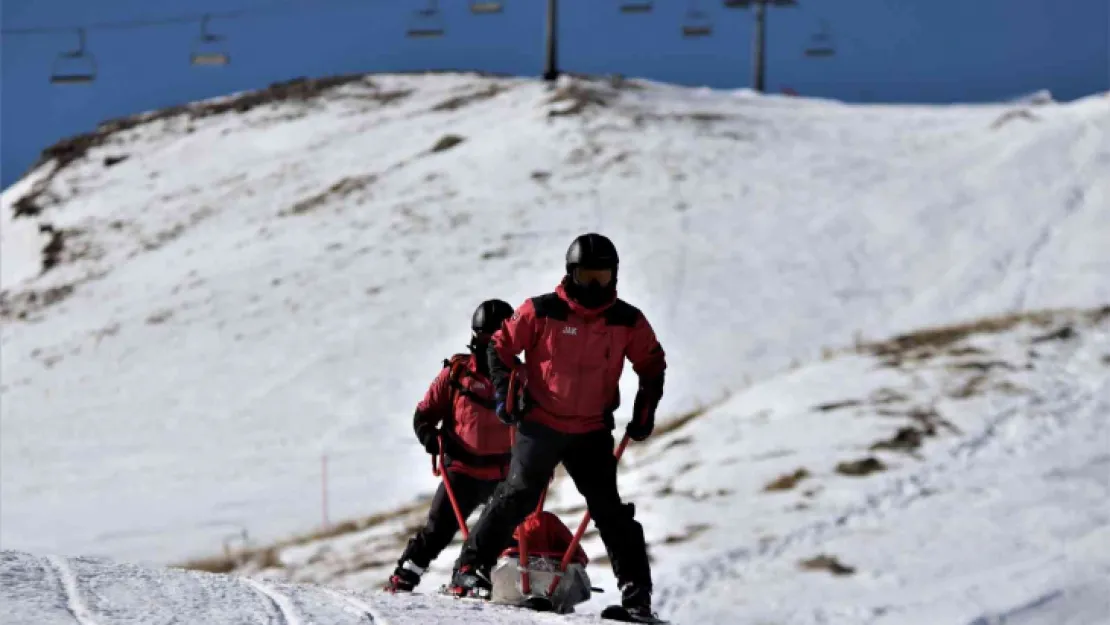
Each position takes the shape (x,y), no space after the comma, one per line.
(458,364)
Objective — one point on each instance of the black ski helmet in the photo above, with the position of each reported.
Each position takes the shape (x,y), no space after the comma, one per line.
(592,251)
(489,315)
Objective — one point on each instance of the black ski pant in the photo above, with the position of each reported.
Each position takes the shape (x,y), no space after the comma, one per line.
(588,459)
(441,526)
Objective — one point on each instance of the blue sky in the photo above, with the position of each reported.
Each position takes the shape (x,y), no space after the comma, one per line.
(886,50)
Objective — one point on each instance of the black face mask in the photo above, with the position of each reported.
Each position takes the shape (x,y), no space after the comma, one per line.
(591,295)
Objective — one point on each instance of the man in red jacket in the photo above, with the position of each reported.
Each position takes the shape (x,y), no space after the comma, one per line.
(459,408)
(574,341)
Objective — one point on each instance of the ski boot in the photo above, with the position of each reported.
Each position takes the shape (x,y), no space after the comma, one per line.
(405,578)
(635,606)
(470,581)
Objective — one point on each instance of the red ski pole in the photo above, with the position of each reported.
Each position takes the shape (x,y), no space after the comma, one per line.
(581,530)
(439,471)
(522,541)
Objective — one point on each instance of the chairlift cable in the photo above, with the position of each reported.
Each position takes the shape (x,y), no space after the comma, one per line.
(179,19)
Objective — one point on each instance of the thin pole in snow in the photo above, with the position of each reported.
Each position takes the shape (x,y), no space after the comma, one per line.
(324,487)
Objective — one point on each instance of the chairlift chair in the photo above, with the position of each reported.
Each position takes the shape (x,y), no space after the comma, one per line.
(746,4)
(693,31)
(427,22)
(697,23)
(486,7)
(637,6)
(821,43)
(75,67)
(203,51)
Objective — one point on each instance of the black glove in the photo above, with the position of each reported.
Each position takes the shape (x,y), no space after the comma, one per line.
(641,426)
(520,407)
(503,413)
(429,438)
(643,409)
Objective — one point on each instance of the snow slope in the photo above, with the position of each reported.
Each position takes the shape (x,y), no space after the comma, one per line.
(248,291)
(1004,516)
(56,591)
(996,511)
(991,491)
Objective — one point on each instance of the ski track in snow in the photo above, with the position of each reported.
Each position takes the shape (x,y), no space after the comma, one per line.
(356,603)
(67,579)
(1051,608)
(1037,602)
(1072,205)
(287,612)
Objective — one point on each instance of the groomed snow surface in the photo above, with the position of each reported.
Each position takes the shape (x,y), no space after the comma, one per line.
(960,481)
(246,292)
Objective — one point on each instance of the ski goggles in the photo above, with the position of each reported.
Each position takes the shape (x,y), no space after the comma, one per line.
(585,276)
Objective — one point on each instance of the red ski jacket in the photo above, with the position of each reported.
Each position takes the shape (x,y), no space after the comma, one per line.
(574,357)
(461,398)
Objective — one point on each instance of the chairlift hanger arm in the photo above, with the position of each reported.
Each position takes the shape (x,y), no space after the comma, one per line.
(206,35)
(80,49)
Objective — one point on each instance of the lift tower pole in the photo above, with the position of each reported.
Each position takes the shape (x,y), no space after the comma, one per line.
(759,47)
(759,36)
(551,41)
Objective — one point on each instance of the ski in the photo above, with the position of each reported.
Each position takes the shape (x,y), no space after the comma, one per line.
(541,604)
(537,604)
(442,591)
(474,595)
(618,613)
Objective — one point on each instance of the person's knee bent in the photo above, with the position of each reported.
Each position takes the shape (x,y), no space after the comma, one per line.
(519,492)
(616,516)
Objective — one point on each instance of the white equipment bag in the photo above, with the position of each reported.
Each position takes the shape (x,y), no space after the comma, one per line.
(573,588)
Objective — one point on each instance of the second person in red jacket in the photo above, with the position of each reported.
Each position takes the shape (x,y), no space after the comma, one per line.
(458,409)
(562,398)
